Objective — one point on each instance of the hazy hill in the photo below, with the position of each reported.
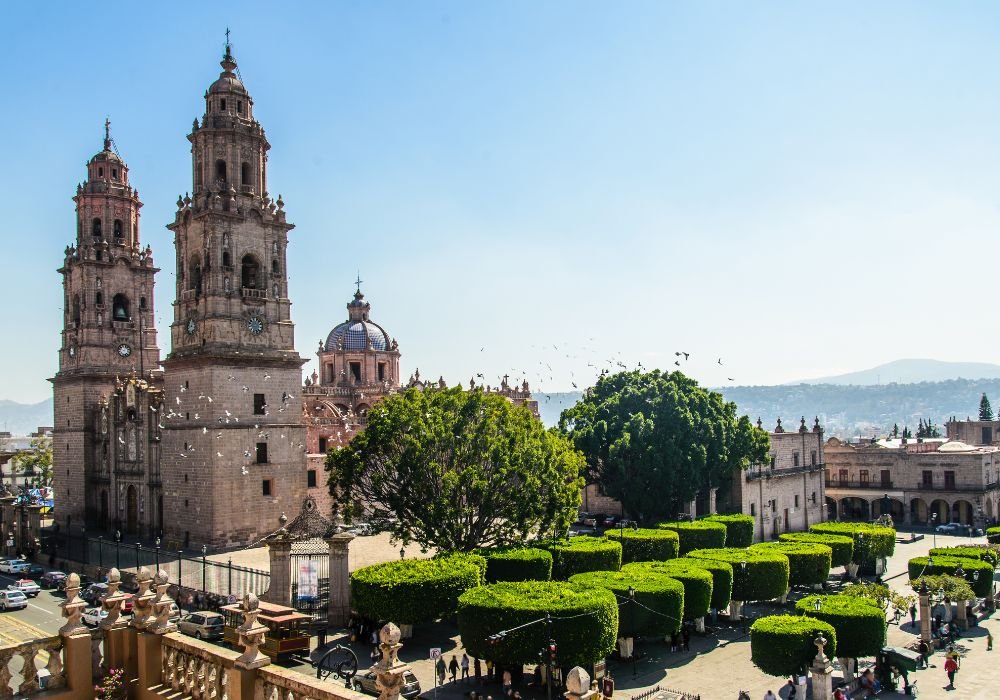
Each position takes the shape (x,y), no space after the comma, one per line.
(912,371)
(24,418)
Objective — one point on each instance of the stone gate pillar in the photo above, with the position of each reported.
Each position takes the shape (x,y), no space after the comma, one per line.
(713,495)
(925,613)
(279,551)
(821,672)
(339,607)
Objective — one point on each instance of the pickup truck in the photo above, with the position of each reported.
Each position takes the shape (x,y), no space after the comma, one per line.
(26,586)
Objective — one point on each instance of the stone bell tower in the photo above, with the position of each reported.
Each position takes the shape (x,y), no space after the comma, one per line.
(108,329)
(234,439)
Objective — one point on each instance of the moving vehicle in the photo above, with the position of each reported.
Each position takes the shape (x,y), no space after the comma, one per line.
(94,592)
(51,579)
(26,586)
(84,582)
(93,616)
(202,625)
(365,683)
(12,600)
(13,566)
(287,630)
(34,570)
(951,529)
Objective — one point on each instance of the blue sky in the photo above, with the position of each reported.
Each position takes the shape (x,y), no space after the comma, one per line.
(796,188)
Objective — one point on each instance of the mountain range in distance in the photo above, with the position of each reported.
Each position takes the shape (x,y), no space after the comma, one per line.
(911,371)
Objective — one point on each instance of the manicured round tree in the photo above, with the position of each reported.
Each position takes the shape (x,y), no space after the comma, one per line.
(584,621)
(722,577)
(785,645)
(413,590)
(859,622)
(842,546)
(936,565)
(764,576)
(697,583)
(871,542)
(952,587)
(645,544)
(808,563)
(987,554)
(517,564)
(993,535)
(699,534)
(739,528)
(659,599)
(579,554)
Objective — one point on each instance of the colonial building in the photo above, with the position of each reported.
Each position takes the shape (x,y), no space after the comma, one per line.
(787,493)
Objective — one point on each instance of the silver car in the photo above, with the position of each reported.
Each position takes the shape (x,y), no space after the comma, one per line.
(202,625)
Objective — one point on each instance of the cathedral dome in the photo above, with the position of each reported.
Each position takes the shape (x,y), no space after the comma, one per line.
(358,332)
(228,80)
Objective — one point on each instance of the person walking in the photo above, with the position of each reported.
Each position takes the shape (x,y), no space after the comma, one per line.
(913,614)
(453,668)
(924,650)
(792,690)
(686,636)
(440,670)
(465,666)
(989,641)
(769,695)
(951,668)
(489,671)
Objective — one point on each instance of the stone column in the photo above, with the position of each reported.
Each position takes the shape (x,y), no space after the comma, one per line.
(713,494)
(578,685)
(76,640)
(338,612)
(8,518)
(149,659)
(692,508)
(240,679)
(389,669)
(279,551)
(114,626)
(821,672)
(142,609)
(925,613)
(960,615)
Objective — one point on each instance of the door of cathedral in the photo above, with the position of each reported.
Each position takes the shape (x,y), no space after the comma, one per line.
(131,510)
(103,523)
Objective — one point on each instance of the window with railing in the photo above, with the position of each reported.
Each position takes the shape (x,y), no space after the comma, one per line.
(863,477)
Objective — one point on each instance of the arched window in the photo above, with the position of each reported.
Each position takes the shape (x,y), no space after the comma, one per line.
(194,275)
(220,171)
(239,106)
(142,303)
(251,273)
(96,228)
(99,299)
(120,308)
(114,173)
(245,174)
(227,259)
(100,172)
(222,105)
(274,266)
(76,308)
(118,228)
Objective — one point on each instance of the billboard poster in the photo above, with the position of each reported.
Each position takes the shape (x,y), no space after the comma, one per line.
(308,580)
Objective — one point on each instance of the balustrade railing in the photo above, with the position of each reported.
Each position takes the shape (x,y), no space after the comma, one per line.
(195,669)
(276,683)
(250,293)
(22,678)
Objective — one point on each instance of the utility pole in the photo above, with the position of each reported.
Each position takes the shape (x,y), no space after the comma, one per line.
(549,656)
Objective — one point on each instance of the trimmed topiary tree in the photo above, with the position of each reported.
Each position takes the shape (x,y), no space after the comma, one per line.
(993,535)
(987,554)
(659,599)
(841,546)
(859,622)
(808,563)
(953,587)
(923,566)
(579,554)
(875,541)
(646,544)
(722,577)
(518,564)
(585,621)
(697,583)
(739,528)
(785,645)
(414,590)
(699,534)
(764,577)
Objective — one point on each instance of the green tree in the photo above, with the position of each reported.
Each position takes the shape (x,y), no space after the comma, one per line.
(457,470)
(655,440)
(895,430)
(985,410)
(35,463)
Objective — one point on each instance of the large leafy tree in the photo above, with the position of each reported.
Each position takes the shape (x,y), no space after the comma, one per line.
(457,470)
(35,463)
(654,440)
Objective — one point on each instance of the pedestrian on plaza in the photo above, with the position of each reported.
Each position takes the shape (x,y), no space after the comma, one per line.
(839,693)
(465,666)
(507,682)
(686,636)
(374,639)
(913,613)
(453,668)
(951,668)
(792,690)
(440,670)
(477,668)
(769,695)
(924,650)
(489,671)
(989,641)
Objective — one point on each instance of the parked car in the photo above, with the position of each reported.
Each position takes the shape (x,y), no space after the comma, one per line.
(93,616)
(951,529)
(50,579)
(26,586)
(365,683)
(12,600)
(13,566)
(94,592)
(84,582)
(202,625)
(581,517)
(34,571)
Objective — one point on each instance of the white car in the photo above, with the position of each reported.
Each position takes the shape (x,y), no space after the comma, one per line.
(12,600)
(26,586)
(93,616)
(13,566)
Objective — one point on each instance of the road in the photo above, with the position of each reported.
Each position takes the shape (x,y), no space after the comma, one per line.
(41,618)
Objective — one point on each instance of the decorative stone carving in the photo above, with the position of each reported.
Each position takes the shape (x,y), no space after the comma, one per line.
(162,605)
(251,634)
(72,608)
(389,670)
(112,601)
(578,685)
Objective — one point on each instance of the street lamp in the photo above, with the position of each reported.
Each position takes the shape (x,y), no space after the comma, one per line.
(631,619)
(204,569)
(402,552)
(861,555)
(157,554)
(818,605)
(934,517)
(118,549)
(100,552)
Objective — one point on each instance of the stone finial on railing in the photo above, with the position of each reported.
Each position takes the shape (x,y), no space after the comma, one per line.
(578,685)
(251,634)
(142,604)
(820,659)
(162,606)
(72,607)
(113,601)
(389,669)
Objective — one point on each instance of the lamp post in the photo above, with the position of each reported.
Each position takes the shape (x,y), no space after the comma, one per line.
(118,549)
(402,552)
(204,569)
(621,535)
(157,554)
(631,620)
(138,556)
(818,605)
(934,517)
(100,552)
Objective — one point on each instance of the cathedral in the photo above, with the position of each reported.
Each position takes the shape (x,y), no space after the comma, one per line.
(209,445)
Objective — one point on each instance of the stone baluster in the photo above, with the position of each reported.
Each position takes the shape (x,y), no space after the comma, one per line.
(149,636)
(72,608)
(142,604)
(55,667)
(162,606)
(75,639)
(389,669)
(251,635)
(6,655)
(29,672)
(113,627)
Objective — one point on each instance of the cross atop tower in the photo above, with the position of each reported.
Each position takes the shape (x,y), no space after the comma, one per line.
(358,282)
(107,134)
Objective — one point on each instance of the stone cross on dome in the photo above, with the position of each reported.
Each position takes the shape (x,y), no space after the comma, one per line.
(358,281)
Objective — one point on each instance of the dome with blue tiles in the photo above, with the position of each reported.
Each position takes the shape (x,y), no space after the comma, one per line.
(358,332)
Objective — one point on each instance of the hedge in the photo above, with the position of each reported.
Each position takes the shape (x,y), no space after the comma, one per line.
(697,583)
(842,545)
(859,622)
(808,563)
(785,645)
(953,587)
(739,528)
(588,636)
(878,541)
(699,534)
(414,590)
(518,564)
(722,577)
(764,577)
(579,554)
(993,535)
(646,544)
(986,554)
(983,588)
(653,592)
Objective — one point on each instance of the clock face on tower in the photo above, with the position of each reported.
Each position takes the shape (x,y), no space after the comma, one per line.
(191,326)
(124,350)
(255,325)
